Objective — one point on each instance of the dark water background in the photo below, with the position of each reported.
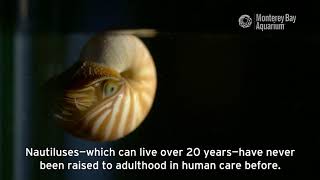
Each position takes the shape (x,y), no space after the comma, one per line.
(219,86)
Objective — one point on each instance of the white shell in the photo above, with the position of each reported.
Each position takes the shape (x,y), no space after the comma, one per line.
(85,113)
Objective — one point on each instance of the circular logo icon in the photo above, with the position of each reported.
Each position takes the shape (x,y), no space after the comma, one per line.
(245,21)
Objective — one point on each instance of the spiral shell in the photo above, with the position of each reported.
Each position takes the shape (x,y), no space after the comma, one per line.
(110,91)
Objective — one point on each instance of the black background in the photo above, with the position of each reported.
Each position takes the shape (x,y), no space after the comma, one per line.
(219,86)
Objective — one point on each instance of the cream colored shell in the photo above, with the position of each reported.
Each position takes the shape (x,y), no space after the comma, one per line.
(87,109)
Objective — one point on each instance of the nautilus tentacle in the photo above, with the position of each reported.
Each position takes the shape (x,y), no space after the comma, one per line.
(110,90)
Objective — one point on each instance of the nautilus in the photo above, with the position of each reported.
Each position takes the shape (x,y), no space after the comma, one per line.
(110,90)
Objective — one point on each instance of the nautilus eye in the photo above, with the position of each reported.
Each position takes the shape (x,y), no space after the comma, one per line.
(110,88)
(109,91)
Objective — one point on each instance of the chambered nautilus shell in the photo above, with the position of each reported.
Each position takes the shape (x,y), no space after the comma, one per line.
(110,90)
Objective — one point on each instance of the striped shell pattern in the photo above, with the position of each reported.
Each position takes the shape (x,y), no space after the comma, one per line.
(111,91)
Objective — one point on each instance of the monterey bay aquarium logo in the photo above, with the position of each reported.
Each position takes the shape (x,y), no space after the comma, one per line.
(245,21)
(267,22)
